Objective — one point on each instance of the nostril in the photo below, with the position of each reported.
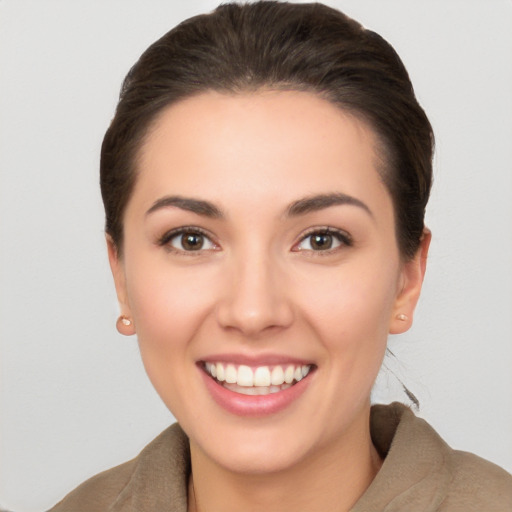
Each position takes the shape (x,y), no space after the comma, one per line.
(253,315)
(255,298)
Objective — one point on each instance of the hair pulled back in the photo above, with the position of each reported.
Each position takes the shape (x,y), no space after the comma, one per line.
(277,45)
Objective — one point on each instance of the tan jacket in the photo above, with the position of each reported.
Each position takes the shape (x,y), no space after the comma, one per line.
(421,473)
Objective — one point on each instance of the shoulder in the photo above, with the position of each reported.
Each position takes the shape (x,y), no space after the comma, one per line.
(421,472)
(157,475)
(98,492)
(477,484)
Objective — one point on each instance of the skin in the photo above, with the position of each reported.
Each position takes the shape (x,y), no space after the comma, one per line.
(259,288)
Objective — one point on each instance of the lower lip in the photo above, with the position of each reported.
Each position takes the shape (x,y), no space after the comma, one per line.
(259,405)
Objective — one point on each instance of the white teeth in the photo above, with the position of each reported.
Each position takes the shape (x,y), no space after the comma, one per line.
(288,374)
(245,377)
(256,390)
(260,380)
(221,376)
(262,376)
(231,374)
(277,376)
(245,390)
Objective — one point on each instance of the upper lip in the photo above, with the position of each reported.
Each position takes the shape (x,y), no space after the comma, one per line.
(255,360)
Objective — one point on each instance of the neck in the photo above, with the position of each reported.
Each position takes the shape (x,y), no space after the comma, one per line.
(336,474)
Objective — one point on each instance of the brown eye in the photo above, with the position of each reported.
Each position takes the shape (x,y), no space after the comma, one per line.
(324,240)
(321,242)
(192,241)
(187,240)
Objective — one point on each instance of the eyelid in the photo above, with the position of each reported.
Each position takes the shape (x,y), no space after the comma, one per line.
(165,239)
(342,236)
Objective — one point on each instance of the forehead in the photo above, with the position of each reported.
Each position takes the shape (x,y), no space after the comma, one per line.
(266,145)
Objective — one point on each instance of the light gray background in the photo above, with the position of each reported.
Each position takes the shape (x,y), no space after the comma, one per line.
(74,396)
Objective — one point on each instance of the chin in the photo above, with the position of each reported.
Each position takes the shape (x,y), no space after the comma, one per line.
(257,458)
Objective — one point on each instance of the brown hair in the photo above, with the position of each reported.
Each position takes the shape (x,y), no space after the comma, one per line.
(277,45)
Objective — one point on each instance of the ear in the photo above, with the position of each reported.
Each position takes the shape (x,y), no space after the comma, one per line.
(411,280)
(117,268)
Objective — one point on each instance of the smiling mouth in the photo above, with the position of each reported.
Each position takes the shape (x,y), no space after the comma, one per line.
(260,380)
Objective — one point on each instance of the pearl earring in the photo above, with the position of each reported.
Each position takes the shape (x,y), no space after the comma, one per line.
(124,325)
(402,317)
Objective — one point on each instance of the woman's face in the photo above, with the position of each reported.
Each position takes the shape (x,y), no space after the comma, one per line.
(259,246)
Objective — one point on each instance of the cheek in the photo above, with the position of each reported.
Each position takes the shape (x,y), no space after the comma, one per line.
(352,297)
(168,306)
(350,308)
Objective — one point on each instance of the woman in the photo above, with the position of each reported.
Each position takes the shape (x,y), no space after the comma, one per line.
(264,180)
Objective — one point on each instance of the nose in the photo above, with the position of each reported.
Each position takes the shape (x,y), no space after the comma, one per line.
(255,298)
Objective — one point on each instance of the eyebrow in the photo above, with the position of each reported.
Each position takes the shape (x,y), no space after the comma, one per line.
(297,208)
(198,206)
(321,201)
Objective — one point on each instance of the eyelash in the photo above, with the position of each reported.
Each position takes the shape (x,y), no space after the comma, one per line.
(166,239)
(342,237)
